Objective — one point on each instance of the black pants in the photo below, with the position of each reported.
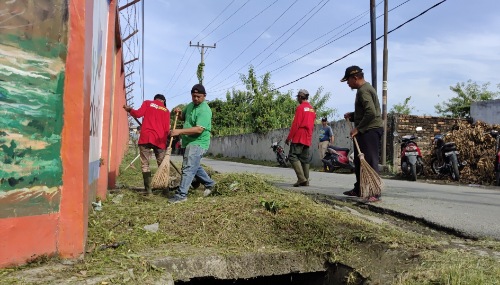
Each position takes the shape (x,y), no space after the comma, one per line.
(369,144)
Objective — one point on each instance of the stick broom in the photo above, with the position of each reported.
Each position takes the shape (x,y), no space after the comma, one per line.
(162,175)
(370,183)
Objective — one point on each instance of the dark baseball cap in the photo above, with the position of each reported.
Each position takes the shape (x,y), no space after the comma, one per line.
(351,70)
(198,88)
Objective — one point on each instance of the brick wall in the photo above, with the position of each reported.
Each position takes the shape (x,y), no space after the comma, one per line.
(406,125)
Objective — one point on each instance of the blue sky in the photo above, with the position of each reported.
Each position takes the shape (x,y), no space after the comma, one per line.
(457,41)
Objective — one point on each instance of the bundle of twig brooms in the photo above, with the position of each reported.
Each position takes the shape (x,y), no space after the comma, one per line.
(370,182)
(162,175)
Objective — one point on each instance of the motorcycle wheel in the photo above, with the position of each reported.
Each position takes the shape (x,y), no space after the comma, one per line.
(413,172)
(435,166)
(454,173)
(281,159)
(420,167)
(497,174)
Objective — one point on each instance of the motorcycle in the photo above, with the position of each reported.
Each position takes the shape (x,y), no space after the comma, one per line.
(338,157)
(281,157)
(412,164)
(494,134)
(445,159)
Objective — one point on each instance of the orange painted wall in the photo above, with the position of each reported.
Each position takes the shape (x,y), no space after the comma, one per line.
(102,183)
(64,233)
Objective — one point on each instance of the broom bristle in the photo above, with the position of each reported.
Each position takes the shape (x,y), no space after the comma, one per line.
(370,184)
(162,175)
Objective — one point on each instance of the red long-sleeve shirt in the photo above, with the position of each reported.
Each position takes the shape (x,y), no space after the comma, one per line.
(155,124)
(303,124)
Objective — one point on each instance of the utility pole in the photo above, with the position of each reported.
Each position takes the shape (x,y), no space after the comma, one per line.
(384,85)
(373,23)
(202,63)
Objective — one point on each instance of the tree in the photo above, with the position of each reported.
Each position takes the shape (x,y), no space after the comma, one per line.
(260,108)
(402,108)
(467,93)
(319,101)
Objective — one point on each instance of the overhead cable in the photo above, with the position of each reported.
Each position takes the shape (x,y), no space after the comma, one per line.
(365,45)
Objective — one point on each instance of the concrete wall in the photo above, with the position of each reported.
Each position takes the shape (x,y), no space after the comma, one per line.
(486,111)
(258,147)
(60,82)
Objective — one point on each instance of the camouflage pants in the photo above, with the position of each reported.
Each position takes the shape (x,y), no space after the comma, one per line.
(145,152)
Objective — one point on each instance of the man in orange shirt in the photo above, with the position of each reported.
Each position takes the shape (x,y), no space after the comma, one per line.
(300,138)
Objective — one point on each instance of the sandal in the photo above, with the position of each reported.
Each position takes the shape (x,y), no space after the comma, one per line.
(350,193)
(373,199)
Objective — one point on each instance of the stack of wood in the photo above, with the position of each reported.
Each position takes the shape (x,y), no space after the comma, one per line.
(477,148)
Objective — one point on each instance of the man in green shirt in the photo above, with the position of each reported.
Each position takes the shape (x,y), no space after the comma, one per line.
(195,135)
(368,124)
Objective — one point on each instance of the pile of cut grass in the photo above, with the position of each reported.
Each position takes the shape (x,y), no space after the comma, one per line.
(248,214)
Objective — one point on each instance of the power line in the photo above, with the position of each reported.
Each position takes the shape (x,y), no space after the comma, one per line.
(234,13)
(248,46)
(258,14)
(176,69)
(214,19)
(275,41)
(365,45)
(355,19)
(330,41)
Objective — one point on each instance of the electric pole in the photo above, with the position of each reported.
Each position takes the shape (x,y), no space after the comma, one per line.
(201,66)
(384,85)
(373,24)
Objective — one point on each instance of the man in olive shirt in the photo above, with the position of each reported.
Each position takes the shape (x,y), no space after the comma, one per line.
(368,124)
(195,133)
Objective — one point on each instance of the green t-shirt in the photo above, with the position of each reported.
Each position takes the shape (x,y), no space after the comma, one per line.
(201,116)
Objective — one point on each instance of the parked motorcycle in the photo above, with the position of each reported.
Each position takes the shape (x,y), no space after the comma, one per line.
(338,157)
(412,164)
(281,157)
(445,158)
(494,134)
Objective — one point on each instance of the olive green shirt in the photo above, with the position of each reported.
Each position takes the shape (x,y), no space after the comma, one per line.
(200,115)
(367,113)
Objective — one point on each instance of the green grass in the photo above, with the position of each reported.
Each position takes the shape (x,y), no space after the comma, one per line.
(248,214)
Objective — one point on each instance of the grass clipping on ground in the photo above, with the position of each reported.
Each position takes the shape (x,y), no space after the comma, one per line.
(248,214)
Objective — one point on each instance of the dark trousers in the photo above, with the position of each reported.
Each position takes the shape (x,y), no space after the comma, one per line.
(369,144)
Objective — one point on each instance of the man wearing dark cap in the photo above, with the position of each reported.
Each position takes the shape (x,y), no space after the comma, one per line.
(325,138)
(195,136)
(368,124)
(300,138)
(154,131)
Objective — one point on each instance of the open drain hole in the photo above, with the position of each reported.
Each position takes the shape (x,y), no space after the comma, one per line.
(336,274)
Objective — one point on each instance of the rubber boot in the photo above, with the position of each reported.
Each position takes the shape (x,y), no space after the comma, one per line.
(146,176)
(305,168)
(300,174)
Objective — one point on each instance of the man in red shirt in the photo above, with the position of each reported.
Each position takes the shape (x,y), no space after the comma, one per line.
(154,131)
(300,137)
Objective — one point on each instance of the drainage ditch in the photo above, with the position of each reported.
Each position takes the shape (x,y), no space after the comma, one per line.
(335,274)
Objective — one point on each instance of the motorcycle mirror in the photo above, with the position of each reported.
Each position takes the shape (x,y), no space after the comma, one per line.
(494,133)
(419,129)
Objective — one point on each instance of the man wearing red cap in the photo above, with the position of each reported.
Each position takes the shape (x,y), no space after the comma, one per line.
(300,138)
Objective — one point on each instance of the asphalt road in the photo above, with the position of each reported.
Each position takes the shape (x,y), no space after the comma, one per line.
(471,210)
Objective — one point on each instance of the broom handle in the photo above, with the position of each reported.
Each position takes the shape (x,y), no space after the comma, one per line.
(171,137)
(354,138)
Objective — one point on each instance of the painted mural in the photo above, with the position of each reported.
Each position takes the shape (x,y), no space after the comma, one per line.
(97,84)
(32,60)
